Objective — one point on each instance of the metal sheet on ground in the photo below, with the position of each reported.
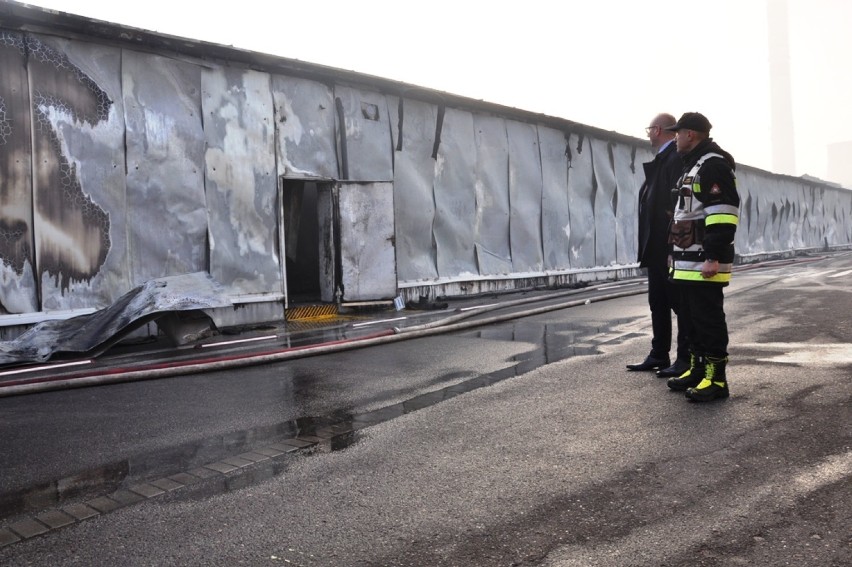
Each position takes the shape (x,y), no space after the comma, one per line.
(91,333)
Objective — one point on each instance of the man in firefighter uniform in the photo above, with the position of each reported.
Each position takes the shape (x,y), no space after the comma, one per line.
(702,238)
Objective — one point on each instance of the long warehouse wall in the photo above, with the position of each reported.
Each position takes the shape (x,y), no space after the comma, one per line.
(120,165)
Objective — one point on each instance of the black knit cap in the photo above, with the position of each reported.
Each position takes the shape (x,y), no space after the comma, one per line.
(692,121)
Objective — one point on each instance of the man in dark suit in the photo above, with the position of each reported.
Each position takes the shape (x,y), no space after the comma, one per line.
(655,213)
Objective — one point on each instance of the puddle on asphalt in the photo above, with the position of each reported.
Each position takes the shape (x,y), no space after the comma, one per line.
(333,432)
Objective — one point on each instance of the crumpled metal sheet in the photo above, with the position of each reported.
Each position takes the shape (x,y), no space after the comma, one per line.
(525,193)
(555,215)
(493,210)
(629,175)
(603,201)
(581,198)
(414,180)
(92,334)
(455,197)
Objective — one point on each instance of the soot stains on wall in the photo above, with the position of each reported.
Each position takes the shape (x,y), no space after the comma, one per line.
(72,231)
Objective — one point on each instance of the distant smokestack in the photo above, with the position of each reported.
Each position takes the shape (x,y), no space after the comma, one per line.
(781,125)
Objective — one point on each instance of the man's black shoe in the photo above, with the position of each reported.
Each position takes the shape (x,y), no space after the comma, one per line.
(650,363)
(675,370)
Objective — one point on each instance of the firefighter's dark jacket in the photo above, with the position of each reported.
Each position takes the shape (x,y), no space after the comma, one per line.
(708,194)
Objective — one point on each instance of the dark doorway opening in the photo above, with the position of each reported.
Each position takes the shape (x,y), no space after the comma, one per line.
(301,241)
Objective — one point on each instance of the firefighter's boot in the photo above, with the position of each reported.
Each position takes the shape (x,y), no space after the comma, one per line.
(691,377)
(714,385)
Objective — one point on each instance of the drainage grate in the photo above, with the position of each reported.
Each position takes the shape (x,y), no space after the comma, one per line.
(312,312)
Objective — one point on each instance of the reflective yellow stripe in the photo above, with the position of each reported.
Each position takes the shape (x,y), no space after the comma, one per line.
(696,187)
(721,219)
(687,275)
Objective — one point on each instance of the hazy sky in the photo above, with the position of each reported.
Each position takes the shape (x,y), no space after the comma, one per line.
(612,64)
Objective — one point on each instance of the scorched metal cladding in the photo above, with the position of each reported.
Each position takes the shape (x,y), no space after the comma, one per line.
(455,197)
(482,197)
(304,116)
(72,230)
(414,172)
(525,192)
(363,135)
(242,203)
(167,230)
(17,263)
(581,202)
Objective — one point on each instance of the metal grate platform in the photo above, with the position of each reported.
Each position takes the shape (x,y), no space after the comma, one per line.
(312,312)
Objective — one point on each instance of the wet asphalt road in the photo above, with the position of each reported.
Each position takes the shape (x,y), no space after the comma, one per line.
(563,458)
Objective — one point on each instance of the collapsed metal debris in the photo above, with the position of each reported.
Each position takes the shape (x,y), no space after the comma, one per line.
(169,299)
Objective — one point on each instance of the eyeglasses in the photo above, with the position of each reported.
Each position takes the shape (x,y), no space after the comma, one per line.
(649,128)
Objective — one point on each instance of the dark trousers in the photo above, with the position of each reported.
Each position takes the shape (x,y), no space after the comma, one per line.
(704,307)
(663,298)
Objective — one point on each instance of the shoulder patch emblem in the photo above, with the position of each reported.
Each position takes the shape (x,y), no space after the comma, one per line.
(715,190)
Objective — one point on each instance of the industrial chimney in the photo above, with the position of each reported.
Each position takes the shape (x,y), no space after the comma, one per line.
(781,119)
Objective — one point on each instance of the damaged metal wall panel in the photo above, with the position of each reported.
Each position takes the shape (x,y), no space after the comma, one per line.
(18,292)
(524,197)
(241,181)
(604,203)
(770,203)
(167,220)
(364,136)
(747,227)
(368,262)
(581,199)
(812,216)
(810,222)
(837,229)
(325,214)
(799,212)
(824,215)
(787,230)
(455,197)
(842,208)
(414,179)
(555,214)
(783,214)
(792,229)
(79,191)
(626,201)
(493,252)
(784,227)
(756,204)
(817,216)
(304,115)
